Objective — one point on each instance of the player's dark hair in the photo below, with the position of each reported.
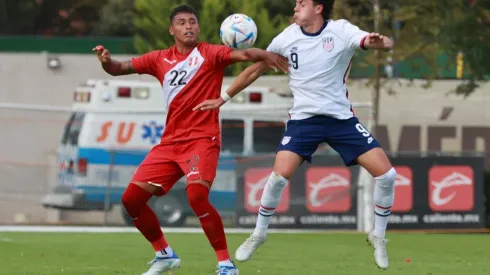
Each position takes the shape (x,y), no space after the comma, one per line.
(327,7)
(182,9)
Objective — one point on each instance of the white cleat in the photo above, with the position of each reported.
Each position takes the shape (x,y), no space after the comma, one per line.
(380,253)
(227,270)
(246,250)
(160,265)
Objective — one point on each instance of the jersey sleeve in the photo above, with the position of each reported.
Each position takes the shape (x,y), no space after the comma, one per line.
(275,46)
(354,36)
(220,55)
(146,64)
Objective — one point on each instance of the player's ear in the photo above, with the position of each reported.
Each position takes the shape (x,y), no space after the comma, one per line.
(171,30)
(319,8)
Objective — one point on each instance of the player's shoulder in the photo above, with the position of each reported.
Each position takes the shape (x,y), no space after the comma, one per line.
(339,24)
(205,47)
(290,31)
(159,53)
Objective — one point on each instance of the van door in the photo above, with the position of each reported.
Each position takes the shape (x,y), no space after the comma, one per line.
(68,163)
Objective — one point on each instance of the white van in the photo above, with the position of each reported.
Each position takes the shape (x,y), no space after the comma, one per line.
(115,123)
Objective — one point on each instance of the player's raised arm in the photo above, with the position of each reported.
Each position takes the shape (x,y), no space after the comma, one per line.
(272,60)
(111,66)
(244,79)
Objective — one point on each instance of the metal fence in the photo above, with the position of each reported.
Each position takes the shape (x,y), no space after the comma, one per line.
(30,170)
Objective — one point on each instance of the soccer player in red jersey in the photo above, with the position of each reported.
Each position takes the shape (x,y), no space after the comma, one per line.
(189,72)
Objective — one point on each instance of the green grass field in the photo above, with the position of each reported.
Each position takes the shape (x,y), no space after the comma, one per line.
(284,254)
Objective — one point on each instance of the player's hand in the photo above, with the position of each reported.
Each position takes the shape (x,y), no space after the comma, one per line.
(102,54)
(374,40)
(209,104)
(277,62)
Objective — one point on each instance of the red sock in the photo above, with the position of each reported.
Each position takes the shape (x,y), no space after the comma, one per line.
(135,201)
(210,219)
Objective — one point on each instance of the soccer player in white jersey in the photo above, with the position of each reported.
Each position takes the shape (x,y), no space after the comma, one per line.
(320,51)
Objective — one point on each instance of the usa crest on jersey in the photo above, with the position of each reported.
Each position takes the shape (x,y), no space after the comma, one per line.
(328,43)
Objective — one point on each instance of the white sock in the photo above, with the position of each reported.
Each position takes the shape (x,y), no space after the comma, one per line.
(384,196)
(166,253)
(226,263)
(268,202)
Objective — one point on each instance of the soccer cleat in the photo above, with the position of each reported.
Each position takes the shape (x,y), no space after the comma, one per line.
(245,251)
(380,253)
(160,265)
(227,270)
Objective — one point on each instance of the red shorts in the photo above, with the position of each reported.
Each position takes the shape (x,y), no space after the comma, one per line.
(165,164)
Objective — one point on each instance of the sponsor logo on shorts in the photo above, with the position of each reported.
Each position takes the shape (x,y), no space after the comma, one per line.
(285,140)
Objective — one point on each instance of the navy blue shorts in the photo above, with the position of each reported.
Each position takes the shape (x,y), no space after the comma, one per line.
(347,137)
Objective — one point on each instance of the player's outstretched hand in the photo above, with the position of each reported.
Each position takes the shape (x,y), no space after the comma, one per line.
(277,62)
(102,54)
(375,40)
(209,104)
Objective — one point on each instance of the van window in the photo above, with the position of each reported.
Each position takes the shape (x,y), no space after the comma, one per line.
(267,135)
(73,128)
(233,136)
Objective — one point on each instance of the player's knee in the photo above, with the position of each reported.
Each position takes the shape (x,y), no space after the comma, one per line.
(277,181)
(274,186)
(197,194)
(388,179)
(133,199)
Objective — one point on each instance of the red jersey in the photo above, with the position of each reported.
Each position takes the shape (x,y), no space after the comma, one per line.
(187,80)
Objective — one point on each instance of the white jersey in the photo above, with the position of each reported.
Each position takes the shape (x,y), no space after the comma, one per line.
(319,65)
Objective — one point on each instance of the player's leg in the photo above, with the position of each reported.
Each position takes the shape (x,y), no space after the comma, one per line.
(155,176)
(356,145)
(285,163)
(378,165)
(199,160)
(300,141)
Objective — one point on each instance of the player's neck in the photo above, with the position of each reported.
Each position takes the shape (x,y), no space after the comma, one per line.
(184,49)
(314,26)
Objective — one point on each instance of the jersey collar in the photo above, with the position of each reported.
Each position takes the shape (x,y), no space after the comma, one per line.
(316,33)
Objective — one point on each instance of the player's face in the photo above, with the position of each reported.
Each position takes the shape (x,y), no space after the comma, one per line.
(305,11)
(185,28)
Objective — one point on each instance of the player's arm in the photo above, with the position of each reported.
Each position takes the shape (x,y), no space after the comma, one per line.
(111,66)
(357,38)
(271,60)
(376,41)
(243,80)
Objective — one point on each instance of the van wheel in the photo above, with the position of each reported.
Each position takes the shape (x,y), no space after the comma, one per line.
(169,210)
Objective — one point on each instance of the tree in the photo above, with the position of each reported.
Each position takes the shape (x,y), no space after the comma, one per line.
(116,18)
(469,32)
(416,26)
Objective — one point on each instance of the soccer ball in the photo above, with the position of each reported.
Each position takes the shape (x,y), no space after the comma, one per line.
(238,31)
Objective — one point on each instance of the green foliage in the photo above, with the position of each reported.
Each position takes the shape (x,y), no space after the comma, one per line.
(116,18)
(430,29)
(416,40)
(468,31)
(152,22)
